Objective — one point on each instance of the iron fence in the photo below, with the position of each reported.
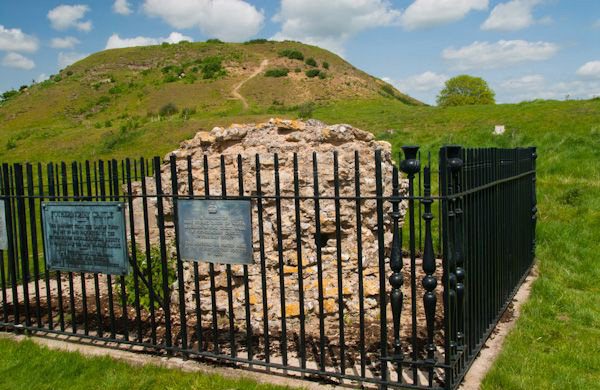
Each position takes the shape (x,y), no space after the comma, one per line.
(413,317)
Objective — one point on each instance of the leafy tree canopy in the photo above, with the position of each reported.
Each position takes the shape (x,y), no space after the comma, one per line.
(465,90)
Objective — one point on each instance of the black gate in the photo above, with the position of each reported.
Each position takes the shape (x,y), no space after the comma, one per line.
(445,267)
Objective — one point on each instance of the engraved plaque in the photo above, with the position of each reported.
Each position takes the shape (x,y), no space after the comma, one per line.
(3,236)
(85,237)
(215,231)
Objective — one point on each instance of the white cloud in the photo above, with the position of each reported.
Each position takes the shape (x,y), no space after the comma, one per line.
(115,41)
(68,58)
(229,20)
(41,78)
(590,69)
(512,16)
(424,82)
(512,92)
(16,60)
(423,86)
(64,43)
(122,7)
(532,81)
(69,16)
(486,55)
(429,13)
(331,23)
(14,39)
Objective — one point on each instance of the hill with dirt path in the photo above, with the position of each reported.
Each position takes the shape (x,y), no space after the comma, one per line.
(169,92)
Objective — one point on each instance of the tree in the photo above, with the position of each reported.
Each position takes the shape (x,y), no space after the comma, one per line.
(465,90)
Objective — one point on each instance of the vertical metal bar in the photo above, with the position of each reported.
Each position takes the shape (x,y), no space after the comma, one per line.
(443,169)
(319,262)
(246,278)
(65,194)
(338,241)
(263,270)
(228,271)
(396,279)
(211,270)
(133,258)
(76,196)
(195,263)
(2,269)
(111,307)
(99,317)
(283,341)
(22,225)
(163,252)
(411,165)
(359,259)
(302,346)
(52,197)
(180,278)
(382,272)
(148,251)
(429,280)
(13,205)
(34,242)
(419,194)
(8,210)
(116,197)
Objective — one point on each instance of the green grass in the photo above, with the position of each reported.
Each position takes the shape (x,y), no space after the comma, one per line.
(556,342)
(25,365)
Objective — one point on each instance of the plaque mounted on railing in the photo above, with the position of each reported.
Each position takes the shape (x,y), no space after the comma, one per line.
(85,237)
(3,236)
(215,231)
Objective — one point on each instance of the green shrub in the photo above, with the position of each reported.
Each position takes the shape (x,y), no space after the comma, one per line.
(108,123)
(311,62)
(292,54)
(297,70)
(306,110)
(23,87)
(165,44)
(98,125)
(145,72)
(212,68)
(388,89)
(312,73)
(281,72)
(214,40)
(156,272)
(69,73)
(259,40)
(326,65)
(11,144)
(9,94)
(57,79)
(187,112)
(117,89)
(322,75)
(168,110)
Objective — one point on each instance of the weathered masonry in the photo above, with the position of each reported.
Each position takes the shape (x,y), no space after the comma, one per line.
(306,249)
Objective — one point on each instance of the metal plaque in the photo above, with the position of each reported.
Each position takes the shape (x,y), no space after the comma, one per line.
(85,237)
(3,236)
(215,231)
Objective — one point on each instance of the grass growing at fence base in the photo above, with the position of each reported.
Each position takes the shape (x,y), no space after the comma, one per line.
(27,366)
(556,342)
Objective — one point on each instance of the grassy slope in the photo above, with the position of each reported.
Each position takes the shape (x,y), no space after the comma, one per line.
(25,365)
(556,343)
(108,102)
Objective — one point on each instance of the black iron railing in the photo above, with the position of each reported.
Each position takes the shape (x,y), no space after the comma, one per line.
(443,303)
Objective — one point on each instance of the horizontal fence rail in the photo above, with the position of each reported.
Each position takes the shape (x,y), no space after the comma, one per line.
(362,270)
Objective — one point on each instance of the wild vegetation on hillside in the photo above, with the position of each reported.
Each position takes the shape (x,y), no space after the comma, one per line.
(117,97)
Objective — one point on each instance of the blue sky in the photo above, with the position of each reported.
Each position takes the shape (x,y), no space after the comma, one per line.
(525,49)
